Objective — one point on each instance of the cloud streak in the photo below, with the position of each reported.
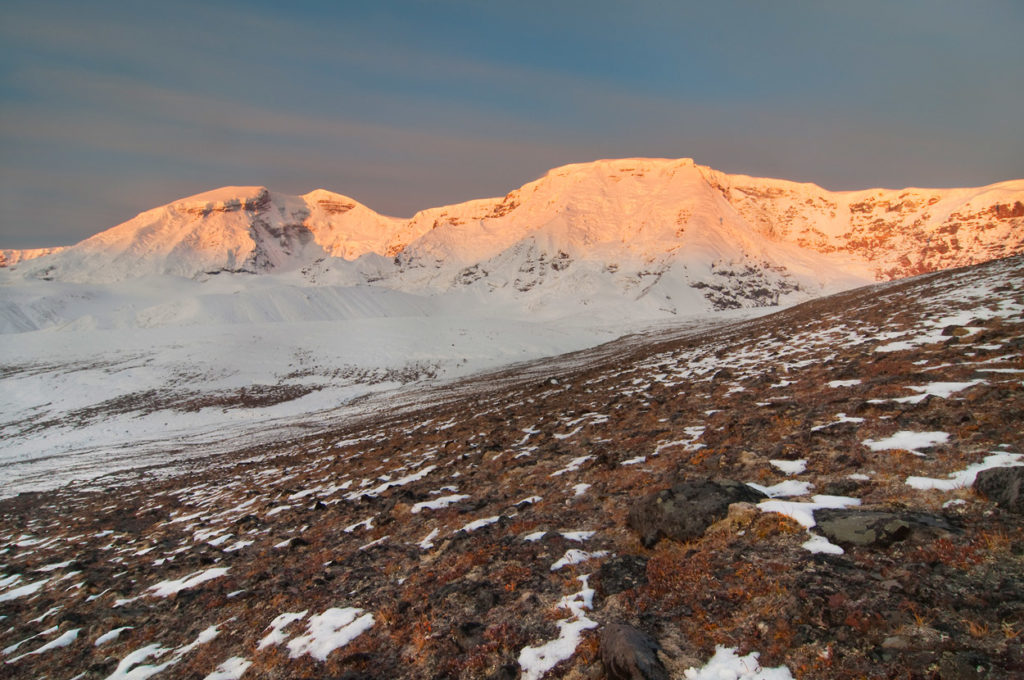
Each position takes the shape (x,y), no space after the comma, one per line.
(114,107)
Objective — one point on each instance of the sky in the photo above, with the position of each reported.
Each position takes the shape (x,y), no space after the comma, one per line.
(111,108)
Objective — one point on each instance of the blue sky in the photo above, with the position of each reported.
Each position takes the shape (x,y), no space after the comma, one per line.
(110,108)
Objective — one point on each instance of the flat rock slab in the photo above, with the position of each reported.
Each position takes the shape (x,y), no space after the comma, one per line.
(876,528)
(686,510)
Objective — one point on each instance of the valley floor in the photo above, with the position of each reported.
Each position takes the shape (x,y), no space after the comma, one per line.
(510,526)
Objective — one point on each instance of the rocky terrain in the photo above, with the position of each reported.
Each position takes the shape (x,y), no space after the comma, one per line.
(826,492)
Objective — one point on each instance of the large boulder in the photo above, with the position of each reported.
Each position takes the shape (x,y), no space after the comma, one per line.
(1004,485)
(686,510)
(629,654)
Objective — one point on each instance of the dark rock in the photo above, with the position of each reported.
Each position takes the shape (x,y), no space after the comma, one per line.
(620,573)
(876,528)
(684,512)
(629,654)
(509,671)
(468,634)
(963,666)
(1004,485)
(841,487)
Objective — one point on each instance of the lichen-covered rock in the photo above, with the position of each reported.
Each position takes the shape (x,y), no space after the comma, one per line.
(1004,485)
(630,654)
(875,528)
(686,510)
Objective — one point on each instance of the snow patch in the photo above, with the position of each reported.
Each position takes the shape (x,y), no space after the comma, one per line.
(727,665)
(329,631)
(966,477)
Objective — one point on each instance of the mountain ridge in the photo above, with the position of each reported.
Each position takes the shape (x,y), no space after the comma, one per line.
(879,228)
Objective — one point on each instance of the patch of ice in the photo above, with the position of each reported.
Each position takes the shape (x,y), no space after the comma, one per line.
(580,489)
(790,467)
(23,591)
(480,523)
(276,636)
(535,536)
(944,389)
(329,631)
(727,665)
(63,641)
(908,441)
(231,669)
(537,661)
(110,635)
(373,543)
(129,668)
(574,556)
(820,544)
(365,524)
(438,503)
(10,580)
(428,541)
(635,461)
(166,588)
(841,418)
(578,535)
(965,478)
(574,464)
(790,487)
(843,383)
(803,512)
(237,545)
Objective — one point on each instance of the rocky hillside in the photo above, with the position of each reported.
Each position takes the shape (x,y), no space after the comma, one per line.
(825,492)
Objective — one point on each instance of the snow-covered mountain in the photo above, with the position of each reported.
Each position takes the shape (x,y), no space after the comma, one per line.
(242,309)
(10,257)
(675,235)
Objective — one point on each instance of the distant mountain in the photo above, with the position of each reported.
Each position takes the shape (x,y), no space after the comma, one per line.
(676,236)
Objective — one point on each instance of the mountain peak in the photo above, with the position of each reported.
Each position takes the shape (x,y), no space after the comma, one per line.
(225,199)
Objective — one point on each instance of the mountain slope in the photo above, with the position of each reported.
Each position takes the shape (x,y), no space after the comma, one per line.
(494,528)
